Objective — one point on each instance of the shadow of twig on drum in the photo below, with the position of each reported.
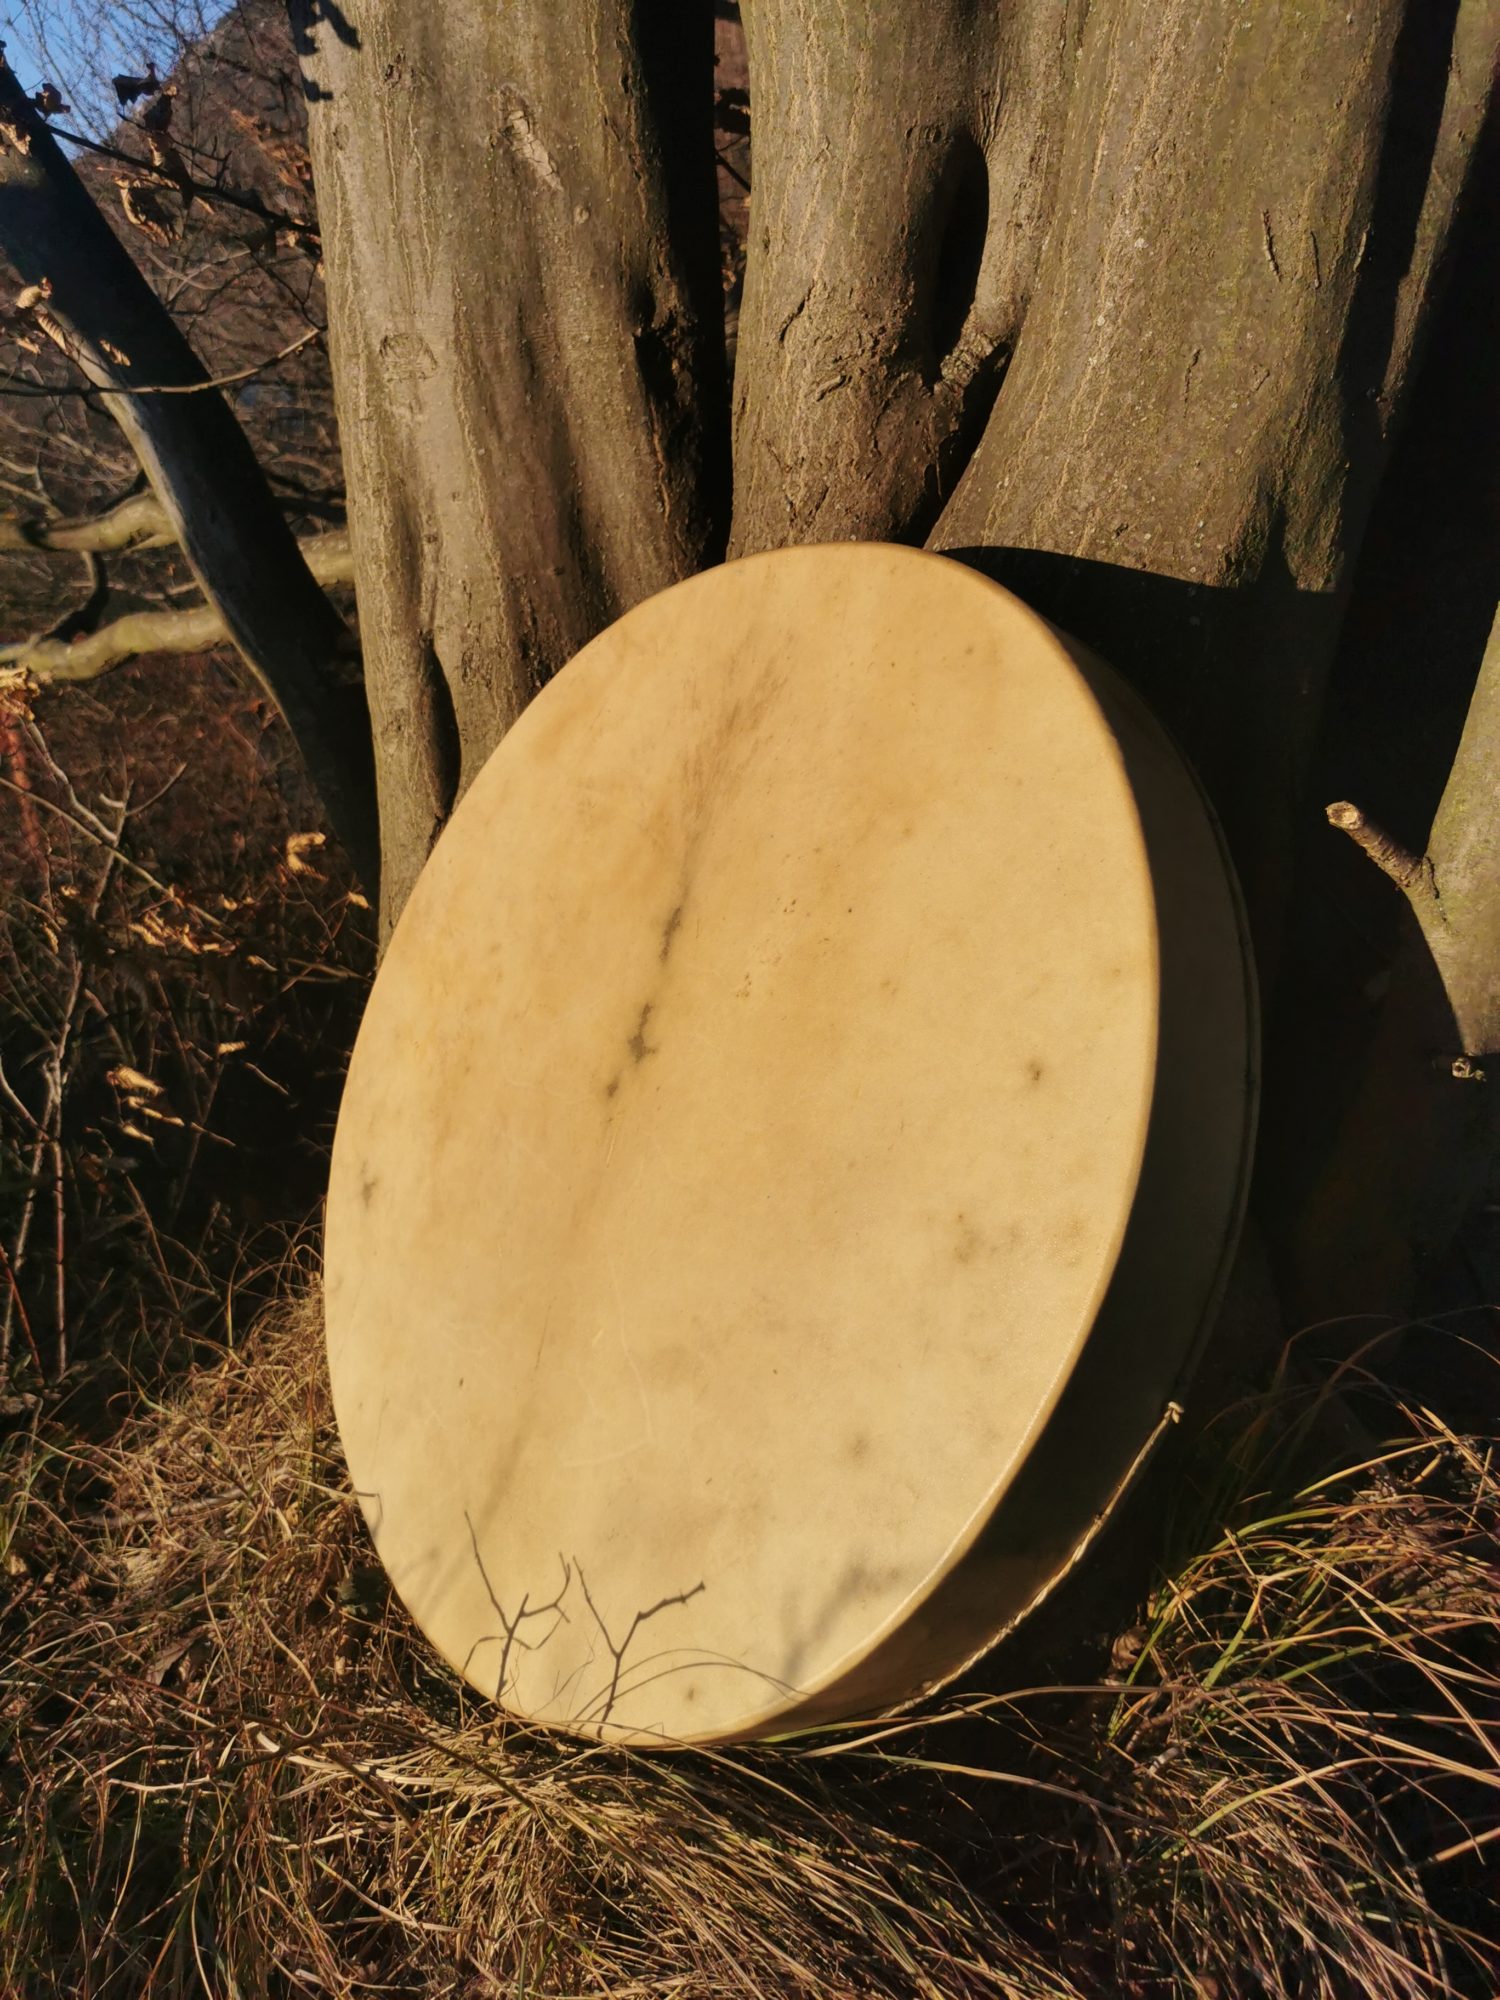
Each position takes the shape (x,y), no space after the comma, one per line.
(618,1651)
(510,1627)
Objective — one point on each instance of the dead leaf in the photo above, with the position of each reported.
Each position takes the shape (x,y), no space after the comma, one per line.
(149,208)
(1127,1649)
(168,163)
(164,1662)
(129,88)
(123,1077)
(298,847)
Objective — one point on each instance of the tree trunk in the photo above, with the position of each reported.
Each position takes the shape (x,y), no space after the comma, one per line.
(89,298)
(905,166)
(1209,233)
(519,211)
(1415,1143)
(1252,208)
(1118,299)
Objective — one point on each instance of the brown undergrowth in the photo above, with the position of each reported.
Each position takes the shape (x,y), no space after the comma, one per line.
(183,959)
(232,1768)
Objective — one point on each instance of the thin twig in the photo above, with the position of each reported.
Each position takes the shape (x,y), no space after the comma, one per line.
(88,389)
(1408,871)
(17,1306)
(248,204)
(135,867)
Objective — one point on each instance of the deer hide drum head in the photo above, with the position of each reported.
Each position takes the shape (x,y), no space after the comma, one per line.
(796,1133)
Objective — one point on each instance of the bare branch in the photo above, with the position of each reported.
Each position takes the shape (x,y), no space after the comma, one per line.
(90,298)
(136,521)
(1410,872)
(52,660)
(161,388)
(243,199)
(108,841)
(1454,889)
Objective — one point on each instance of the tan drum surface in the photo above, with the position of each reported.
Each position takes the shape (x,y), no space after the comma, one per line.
(740,1144)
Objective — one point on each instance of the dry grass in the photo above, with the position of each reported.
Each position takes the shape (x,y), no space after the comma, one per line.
(232,1768)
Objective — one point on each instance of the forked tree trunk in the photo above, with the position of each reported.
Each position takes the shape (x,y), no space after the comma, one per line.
(1230,218)
(905,171)
(1118,298)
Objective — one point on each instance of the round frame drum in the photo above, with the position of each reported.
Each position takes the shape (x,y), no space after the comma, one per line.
(797,1133)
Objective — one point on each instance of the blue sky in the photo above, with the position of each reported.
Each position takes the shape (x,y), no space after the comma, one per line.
(80,44)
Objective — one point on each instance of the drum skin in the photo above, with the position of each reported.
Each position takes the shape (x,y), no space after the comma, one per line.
(796,1137)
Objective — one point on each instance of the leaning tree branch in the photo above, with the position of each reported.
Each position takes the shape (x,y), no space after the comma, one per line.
(1454,888)
(89,298)
(52,660)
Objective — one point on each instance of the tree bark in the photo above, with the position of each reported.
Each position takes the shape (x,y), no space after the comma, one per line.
(91,300)
(1460,917)
(519,212)
(905,166)
(1210,235)
(1251,209)
(1118,299)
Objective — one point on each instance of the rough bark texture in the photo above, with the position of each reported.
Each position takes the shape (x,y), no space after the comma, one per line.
(91,300)
(1250,205)
(1118,299)
(905,165)
(1460,911)
(519,210)
(1208,232)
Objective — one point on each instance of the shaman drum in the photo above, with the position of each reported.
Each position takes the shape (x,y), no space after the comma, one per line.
(797,1131)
